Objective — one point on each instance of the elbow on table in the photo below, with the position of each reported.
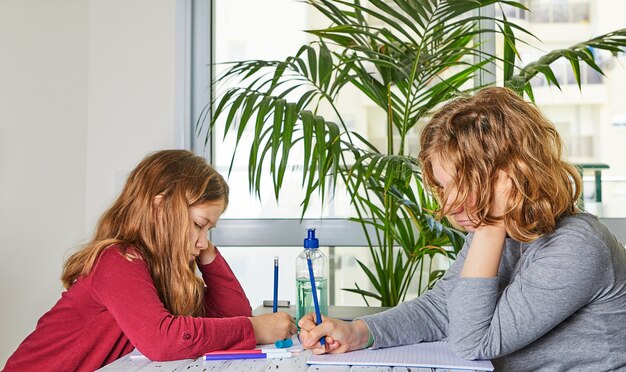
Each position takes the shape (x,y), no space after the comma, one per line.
(463,351)
(163,348)
(472,349)
(163,354)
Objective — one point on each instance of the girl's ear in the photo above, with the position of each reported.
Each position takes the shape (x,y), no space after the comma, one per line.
(157,200)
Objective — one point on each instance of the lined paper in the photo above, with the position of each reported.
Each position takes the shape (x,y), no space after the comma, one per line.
(425,354)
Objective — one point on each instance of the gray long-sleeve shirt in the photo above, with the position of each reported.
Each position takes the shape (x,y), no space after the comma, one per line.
(557,304)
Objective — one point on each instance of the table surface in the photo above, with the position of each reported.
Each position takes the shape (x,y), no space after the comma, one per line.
(295,364)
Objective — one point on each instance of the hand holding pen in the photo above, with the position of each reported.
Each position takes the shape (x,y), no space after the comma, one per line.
(271,327)
(278,326)
(340,336)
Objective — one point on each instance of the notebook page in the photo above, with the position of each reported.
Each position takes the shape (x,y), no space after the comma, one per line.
(425,354)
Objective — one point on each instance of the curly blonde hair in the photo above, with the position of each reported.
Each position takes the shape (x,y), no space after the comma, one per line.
(493,131)
(159,231)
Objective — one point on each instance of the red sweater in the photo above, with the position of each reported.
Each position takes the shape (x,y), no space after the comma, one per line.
(116,308)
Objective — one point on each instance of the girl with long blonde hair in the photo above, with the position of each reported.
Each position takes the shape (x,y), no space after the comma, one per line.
(134,284)
(539,284)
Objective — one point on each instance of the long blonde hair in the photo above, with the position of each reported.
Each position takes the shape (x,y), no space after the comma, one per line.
(496,130)
(159,231)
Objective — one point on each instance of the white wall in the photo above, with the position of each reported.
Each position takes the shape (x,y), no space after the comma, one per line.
(131,92)
(86,90)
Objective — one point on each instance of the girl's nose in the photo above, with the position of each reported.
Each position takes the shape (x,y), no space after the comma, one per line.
(203,241)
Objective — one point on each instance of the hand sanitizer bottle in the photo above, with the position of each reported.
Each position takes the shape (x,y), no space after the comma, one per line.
(304,297)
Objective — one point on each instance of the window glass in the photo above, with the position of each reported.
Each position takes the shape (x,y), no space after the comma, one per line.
(512,12)
(238,38)
(540,11)
(560,11)
(590,121)
(583,116)
(580,11)
(593,76)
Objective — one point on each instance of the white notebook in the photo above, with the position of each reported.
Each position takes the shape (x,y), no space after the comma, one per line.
(425,354)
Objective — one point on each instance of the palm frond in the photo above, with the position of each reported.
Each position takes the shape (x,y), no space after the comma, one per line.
(613,42)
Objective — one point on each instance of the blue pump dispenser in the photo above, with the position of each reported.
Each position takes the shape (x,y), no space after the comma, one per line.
(311,242)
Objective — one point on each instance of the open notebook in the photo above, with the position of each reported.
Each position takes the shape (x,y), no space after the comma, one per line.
(425,354)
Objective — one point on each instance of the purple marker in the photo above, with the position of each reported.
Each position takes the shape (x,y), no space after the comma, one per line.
(248,356)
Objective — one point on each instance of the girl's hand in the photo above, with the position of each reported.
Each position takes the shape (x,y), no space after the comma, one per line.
(485,251)
(271,327)
(207,255)
(340,336)
(501,197)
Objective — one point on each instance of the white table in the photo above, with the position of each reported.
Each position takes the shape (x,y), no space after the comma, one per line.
(295,364)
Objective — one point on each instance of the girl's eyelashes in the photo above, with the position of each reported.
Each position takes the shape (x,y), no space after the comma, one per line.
(200,227)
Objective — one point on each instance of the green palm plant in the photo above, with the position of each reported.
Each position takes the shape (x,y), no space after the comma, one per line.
(406,57)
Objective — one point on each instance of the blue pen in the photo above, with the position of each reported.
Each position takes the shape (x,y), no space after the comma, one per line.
(275,304)
(318,315)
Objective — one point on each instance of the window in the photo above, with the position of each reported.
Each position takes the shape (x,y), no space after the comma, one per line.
(559,11)
(583,117)
(238,38)
(583,123)
(512,12)
(565,74)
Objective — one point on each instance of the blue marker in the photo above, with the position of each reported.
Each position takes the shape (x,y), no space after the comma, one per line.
(275,304)
(318,315)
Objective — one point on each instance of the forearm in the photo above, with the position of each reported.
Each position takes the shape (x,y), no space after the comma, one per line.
(485,253)
(419,320)
(422,319)
(361,335)
(176,337)
(224,295)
